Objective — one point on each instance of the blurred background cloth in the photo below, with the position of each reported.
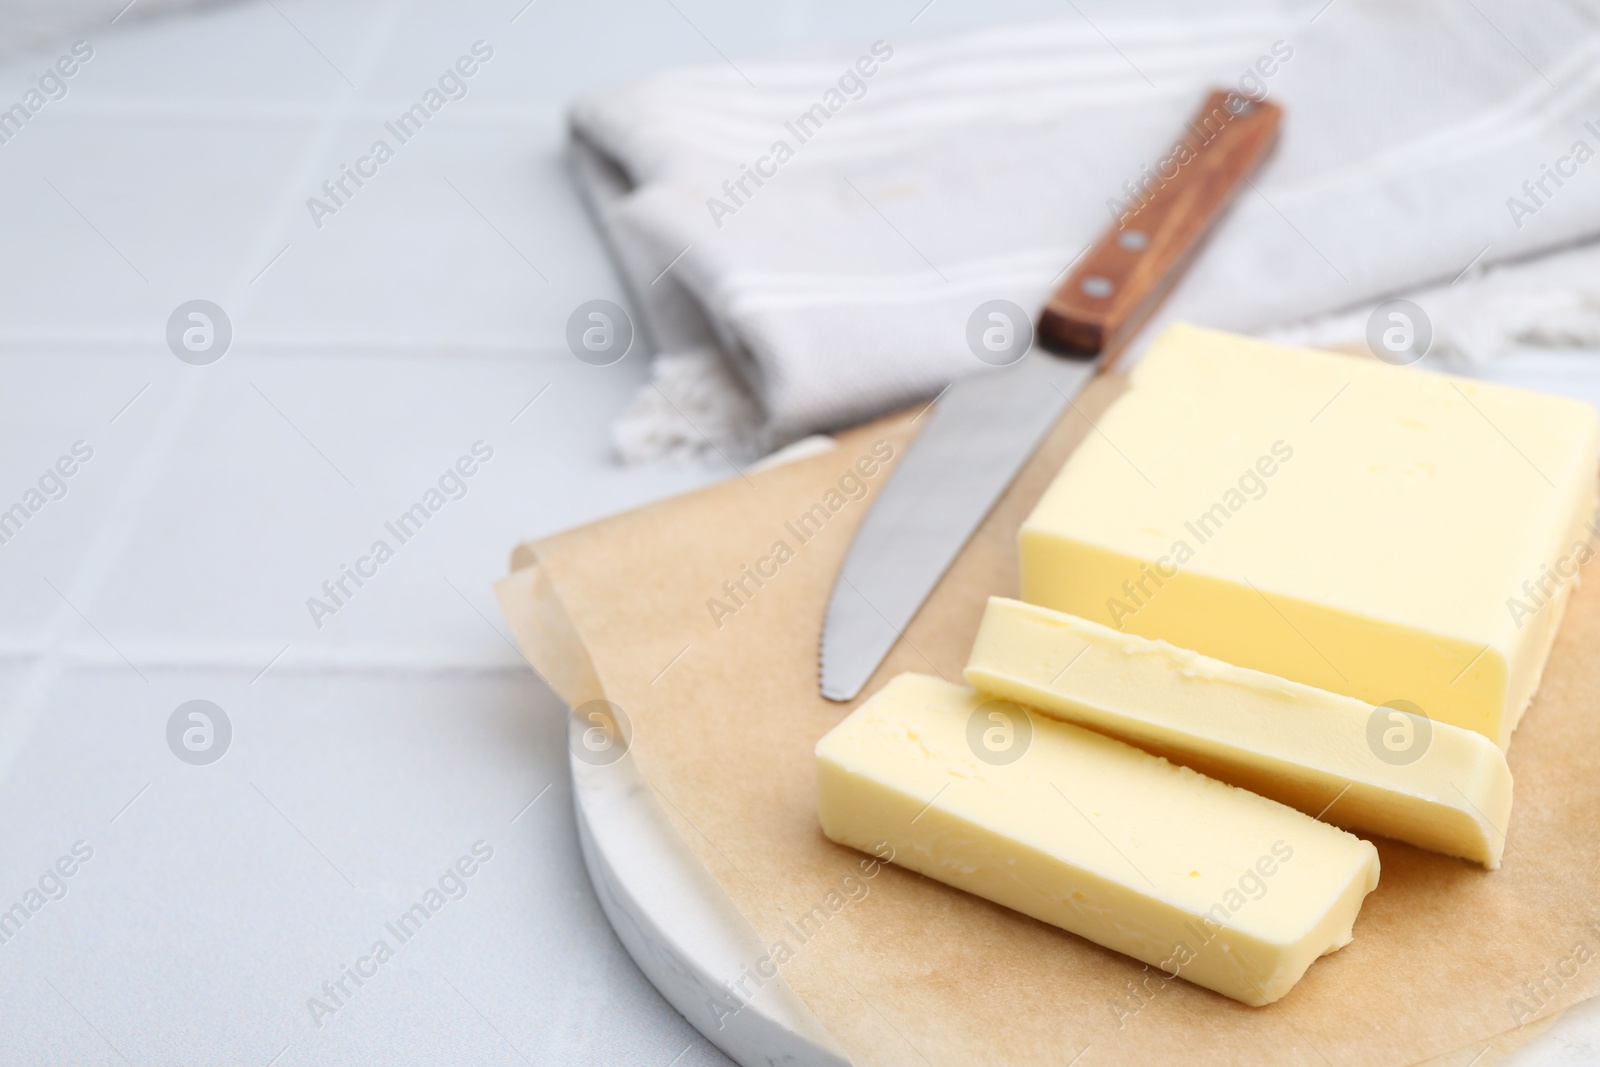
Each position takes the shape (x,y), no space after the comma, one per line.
(974,167)
(29,24)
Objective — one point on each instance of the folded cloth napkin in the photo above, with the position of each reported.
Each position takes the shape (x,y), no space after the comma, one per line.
(806,238)
(26,25)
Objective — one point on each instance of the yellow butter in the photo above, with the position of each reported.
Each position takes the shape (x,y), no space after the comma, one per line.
(1227,889)
(1376,531)
(1365,768)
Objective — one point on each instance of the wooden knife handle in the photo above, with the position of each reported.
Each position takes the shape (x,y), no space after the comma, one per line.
(1125,274)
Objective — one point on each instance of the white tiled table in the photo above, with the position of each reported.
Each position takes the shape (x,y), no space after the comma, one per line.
(372,752)
(368,355)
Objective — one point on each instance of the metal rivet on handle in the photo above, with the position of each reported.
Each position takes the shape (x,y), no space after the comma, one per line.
(1095,285)
(1133,240)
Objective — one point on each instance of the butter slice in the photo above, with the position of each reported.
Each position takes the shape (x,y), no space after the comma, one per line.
(1434,785)
(1227,889)
(1377,531)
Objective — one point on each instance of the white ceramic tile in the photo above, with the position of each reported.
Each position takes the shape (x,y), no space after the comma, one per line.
(241,886)
(123,218)
(67,400)
(470,236)
(252,512)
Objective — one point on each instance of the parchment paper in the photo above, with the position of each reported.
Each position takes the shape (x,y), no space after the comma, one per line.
(904,970)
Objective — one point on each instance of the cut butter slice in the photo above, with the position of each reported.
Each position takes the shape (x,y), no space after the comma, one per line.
(1377,531)
(1227,889)
(1378,769)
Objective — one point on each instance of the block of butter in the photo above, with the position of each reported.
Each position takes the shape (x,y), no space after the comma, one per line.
(1227,889)
(1377,531)
(1377,769)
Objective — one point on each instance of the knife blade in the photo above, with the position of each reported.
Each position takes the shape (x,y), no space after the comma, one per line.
(982,429)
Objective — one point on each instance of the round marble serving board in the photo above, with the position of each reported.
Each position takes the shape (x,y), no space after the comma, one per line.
(689,940)
(680,928)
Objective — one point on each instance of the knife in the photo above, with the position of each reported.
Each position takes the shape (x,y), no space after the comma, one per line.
(982,429)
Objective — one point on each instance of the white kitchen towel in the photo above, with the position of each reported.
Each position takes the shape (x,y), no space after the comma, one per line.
(806,238)
(37,24)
